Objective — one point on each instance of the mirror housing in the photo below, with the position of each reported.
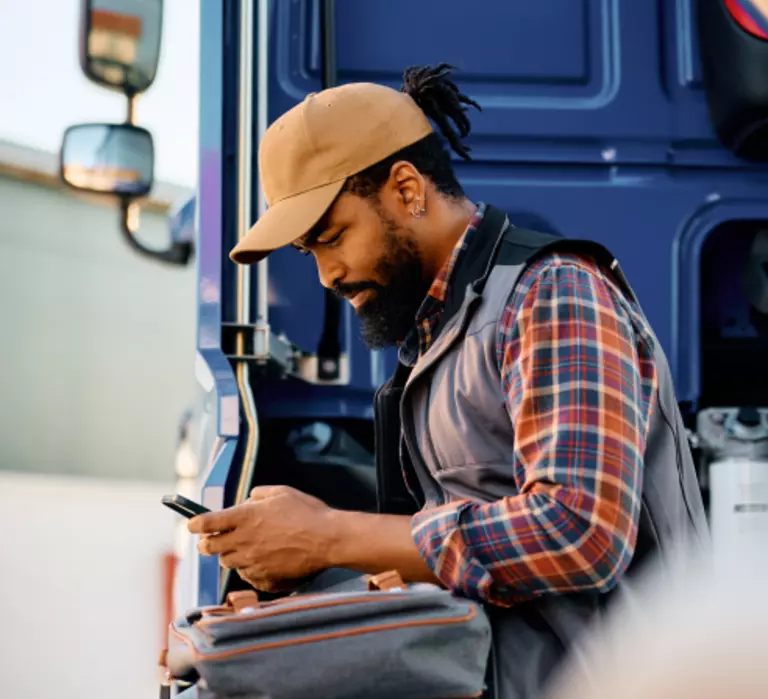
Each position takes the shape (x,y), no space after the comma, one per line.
(108,159)
(120,43)
(117,159)
(120,50)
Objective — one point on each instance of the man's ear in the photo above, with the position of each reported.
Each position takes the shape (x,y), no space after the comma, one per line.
(407,187)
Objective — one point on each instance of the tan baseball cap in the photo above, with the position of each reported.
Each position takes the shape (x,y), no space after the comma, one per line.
(307,155)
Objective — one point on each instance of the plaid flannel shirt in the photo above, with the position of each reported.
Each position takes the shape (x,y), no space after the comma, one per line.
(577,377)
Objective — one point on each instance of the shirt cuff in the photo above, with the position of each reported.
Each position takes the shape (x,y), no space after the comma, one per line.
(437,533)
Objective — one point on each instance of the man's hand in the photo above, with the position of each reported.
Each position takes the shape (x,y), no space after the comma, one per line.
(278,534)
(282,535)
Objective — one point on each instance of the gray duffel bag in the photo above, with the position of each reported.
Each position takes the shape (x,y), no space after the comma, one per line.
(377,639)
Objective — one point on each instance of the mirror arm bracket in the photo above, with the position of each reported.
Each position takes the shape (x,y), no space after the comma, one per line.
(130,109)
(178,254)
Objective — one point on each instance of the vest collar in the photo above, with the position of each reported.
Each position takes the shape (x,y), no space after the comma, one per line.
(476,262)
(466,287)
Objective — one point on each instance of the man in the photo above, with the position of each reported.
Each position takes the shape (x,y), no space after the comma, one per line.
(542,439)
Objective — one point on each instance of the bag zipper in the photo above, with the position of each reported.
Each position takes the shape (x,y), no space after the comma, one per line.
(278,607)
(323,637)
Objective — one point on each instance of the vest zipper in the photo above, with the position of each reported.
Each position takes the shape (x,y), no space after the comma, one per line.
(381,450)
(417,460)
(428,432)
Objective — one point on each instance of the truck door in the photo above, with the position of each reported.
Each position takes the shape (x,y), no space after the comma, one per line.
(595,124)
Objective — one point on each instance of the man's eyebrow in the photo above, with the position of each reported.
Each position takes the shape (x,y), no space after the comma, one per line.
(309,239)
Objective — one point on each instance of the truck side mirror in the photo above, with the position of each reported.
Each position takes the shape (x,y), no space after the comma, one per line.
(117,159)
(120,43)
(108,159)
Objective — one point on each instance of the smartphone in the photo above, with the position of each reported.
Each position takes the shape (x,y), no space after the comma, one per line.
(186,508)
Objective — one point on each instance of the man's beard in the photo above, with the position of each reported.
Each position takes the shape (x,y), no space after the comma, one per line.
(391,312)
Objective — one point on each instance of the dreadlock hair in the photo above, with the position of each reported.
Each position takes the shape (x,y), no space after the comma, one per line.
(442,102)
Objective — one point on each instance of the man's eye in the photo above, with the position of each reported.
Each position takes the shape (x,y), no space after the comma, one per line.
(333,240)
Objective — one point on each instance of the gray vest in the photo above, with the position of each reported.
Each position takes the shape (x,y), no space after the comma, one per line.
(440,463)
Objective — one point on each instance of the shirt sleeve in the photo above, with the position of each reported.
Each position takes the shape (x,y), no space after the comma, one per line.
(579,396)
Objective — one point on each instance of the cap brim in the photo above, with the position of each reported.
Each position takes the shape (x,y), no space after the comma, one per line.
(284,222)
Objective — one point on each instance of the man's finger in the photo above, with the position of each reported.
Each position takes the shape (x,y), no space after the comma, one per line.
(255,576)
(213,522)
(215,545)
(235,559)
(265,492)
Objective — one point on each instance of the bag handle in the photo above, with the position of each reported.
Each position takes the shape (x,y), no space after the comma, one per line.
(243,599)
(389,580)
(240,600)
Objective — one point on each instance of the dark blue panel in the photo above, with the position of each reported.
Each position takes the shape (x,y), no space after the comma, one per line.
(519,60)
(690,127)
(559,80)
(562,55)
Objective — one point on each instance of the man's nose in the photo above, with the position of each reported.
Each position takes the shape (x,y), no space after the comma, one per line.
(329,272)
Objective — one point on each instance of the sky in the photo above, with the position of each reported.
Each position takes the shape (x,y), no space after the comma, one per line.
(42,90)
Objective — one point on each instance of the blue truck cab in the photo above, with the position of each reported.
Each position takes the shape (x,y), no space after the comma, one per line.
(643,126)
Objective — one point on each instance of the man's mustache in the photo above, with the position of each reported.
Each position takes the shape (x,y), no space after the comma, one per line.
(345,291)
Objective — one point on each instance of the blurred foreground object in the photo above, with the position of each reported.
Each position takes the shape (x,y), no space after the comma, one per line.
(695,630)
